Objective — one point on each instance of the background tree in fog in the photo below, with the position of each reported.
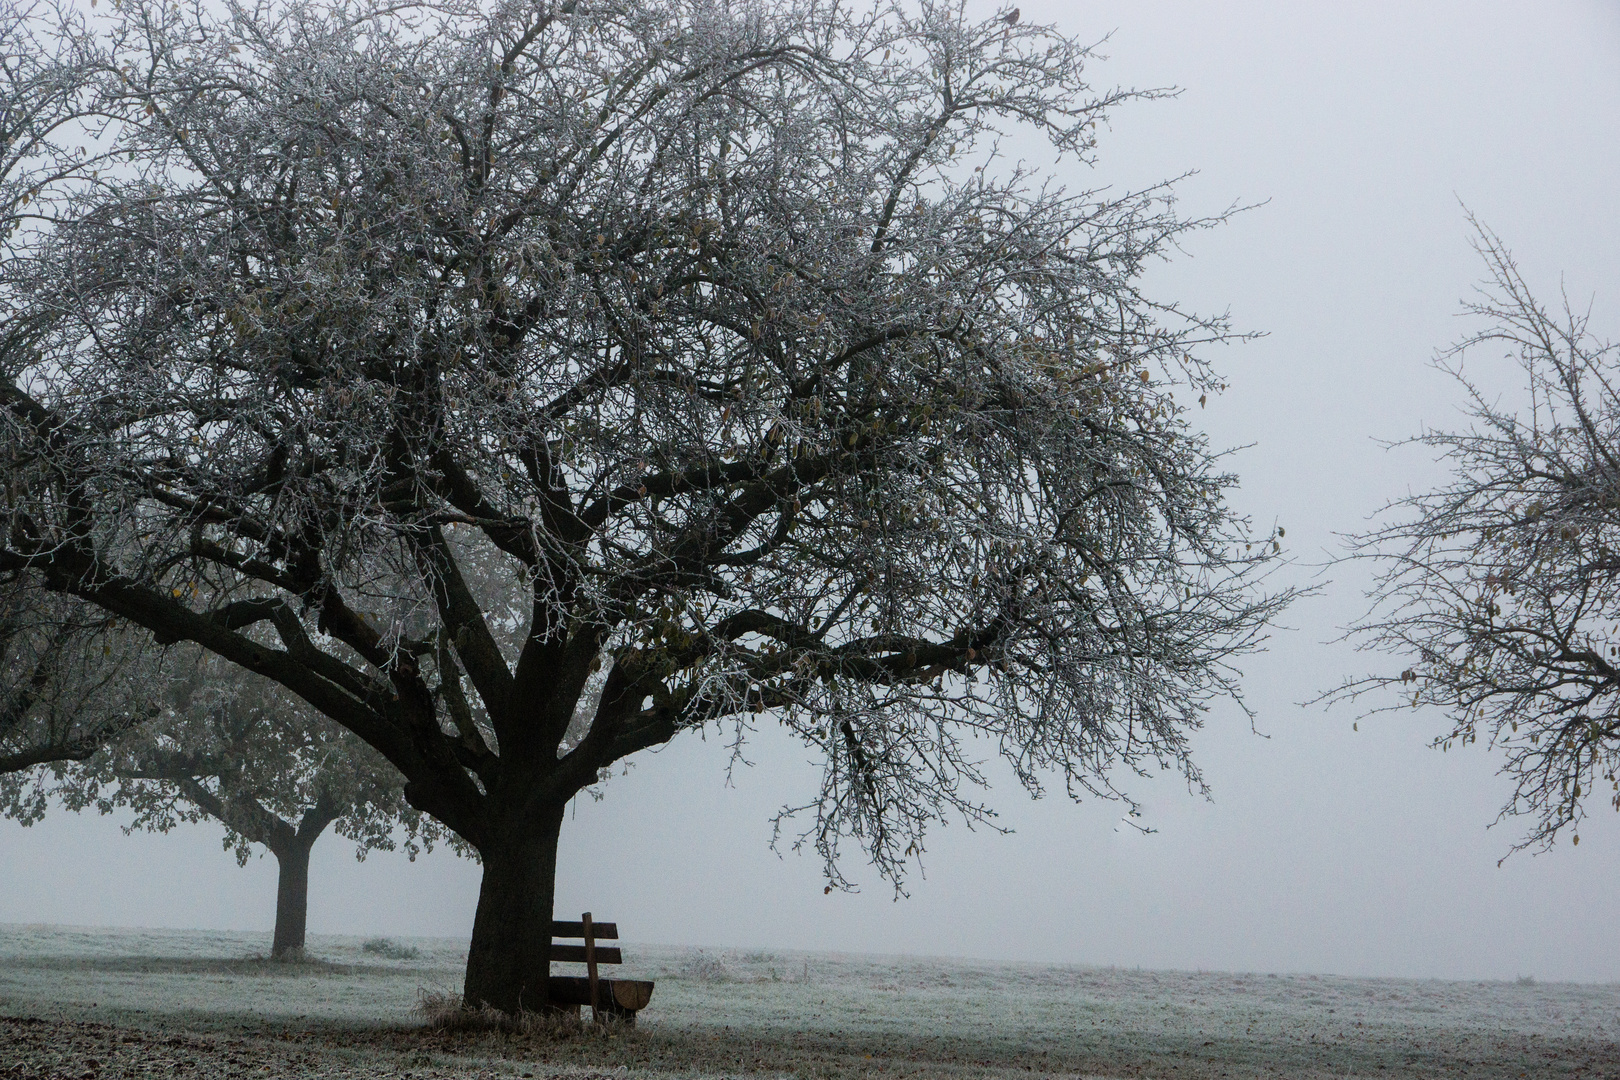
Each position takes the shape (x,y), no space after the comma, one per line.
(725,333)
(68,683)
(237,748)
(1499,591)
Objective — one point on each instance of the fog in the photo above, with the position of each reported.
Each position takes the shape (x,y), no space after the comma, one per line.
(1363,133)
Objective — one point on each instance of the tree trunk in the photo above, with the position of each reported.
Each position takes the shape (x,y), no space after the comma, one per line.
(292,898)
(292,889)
(509,960)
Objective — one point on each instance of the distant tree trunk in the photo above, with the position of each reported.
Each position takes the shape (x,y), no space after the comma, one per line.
(509,961)
(291,850)
(290,846)
(292,901)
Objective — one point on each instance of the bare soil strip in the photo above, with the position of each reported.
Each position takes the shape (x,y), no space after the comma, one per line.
(41,1048)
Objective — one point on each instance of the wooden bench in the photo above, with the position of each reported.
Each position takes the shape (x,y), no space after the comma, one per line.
(618,998)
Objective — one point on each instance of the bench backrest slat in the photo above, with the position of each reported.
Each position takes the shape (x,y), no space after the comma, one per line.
(575,954)
(601,931)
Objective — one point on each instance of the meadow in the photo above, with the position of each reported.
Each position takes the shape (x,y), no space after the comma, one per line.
(96,1002)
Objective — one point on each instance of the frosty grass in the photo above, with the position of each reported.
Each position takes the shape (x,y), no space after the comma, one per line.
(730,1012)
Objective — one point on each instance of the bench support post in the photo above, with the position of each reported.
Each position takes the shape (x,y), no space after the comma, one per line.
(590,967)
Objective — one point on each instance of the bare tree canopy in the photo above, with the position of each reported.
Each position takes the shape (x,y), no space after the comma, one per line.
(627,368)
(1501,588)
(46,92)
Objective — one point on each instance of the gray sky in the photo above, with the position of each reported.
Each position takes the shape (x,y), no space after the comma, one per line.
(1324,850)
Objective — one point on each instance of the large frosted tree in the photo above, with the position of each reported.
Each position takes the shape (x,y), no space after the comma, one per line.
(723,333)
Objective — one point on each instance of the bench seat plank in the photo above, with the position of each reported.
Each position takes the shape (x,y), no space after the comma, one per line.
(629,995)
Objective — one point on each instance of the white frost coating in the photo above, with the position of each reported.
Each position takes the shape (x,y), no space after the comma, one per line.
(952,1011)
(412,357)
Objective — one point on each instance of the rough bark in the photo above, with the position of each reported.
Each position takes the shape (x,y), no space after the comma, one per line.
(509,961)
(292,901)
(292,886)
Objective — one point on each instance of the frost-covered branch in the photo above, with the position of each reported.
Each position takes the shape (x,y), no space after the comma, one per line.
(1499,592)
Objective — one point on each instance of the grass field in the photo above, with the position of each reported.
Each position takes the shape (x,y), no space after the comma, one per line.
(134,996)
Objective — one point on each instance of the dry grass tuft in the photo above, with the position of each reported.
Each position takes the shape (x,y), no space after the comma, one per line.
(702,966)
(442,1010)
(390,949)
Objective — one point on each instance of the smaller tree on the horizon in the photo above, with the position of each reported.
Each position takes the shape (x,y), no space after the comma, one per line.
(232,747)
(1499,590)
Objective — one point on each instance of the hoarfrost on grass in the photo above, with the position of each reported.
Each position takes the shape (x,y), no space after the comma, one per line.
(390,949)
(736,1011)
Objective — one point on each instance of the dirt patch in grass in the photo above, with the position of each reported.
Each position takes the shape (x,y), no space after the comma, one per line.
(38,1048)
